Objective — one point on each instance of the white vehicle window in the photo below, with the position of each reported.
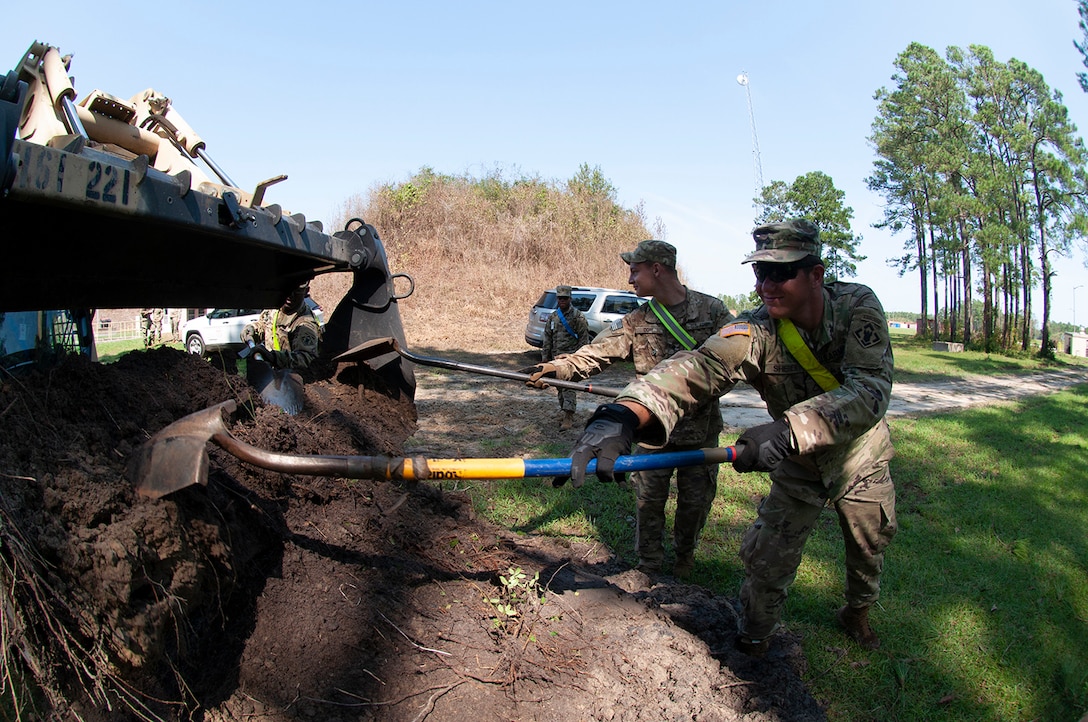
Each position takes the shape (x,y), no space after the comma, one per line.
(619,304)
(582,302)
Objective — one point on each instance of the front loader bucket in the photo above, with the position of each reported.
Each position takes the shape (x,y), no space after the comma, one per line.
(369,311)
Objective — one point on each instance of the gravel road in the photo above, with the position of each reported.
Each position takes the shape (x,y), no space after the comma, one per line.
(743,408)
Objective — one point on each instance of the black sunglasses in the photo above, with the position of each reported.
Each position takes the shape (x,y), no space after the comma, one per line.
(777,272)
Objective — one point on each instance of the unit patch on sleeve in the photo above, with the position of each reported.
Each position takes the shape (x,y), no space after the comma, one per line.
(735,329)
(868,334)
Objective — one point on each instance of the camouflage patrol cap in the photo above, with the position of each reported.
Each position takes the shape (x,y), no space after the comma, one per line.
(785,242)
(562,291)
(652,252)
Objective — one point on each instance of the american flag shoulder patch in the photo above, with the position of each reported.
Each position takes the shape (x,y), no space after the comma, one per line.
(735,329)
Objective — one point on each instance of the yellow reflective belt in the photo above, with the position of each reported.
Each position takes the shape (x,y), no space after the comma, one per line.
(672,325)
(800,350)
(275,335)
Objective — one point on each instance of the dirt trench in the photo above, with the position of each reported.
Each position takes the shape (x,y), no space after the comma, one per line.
(276,597)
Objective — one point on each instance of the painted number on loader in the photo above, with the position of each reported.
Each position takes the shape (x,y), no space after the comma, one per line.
(72,177)
(103,181)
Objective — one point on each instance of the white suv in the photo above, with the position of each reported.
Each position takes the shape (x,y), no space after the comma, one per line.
(218,330)
(601,307)
(221,328)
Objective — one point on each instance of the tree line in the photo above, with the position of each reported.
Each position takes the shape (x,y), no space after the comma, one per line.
(980,164)
(982,170)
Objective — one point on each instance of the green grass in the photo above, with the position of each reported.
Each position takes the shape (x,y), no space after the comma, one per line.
(984,613)
(985,605)
(915,360)
(112,350)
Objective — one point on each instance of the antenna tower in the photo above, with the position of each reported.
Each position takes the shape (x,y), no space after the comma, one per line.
(742,79)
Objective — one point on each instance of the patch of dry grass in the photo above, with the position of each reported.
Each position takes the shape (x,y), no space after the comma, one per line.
(481,251)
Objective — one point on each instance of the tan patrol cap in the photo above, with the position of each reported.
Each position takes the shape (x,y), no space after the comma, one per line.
(562,291)
(652,252)
(785,242)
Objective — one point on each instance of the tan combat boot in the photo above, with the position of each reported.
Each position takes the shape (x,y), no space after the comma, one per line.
(684,566)
(568,420)
(855,620)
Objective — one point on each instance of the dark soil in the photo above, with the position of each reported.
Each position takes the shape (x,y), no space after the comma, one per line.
(277,597)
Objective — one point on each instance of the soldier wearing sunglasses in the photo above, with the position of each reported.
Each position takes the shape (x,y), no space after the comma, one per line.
(820,355)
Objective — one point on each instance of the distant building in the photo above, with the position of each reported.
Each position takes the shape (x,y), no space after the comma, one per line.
(1074,343)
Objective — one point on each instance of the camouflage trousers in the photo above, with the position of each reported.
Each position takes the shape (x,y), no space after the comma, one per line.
(771,548)
(695,490)
(568,399)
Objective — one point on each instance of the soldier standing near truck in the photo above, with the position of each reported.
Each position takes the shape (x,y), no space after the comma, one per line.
(676,318)
(565,331)
(156,325)
(145,327)
(175,325)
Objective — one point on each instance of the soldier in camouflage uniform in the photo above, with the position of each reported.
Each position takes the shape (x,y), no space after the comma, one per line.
(828,444)
(642,336)
(558,340)
(145,327)
(156,325)
(287,337)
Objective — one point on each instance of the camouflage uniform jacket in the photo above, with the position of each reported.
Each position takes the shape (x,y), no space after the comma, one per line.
(641,337)
(558,340)
(841,432)
(291,338)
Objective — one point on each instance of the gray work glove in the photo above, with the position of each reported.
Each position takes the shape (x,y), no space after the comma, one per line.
(608,435)
(538,373)
(761,448)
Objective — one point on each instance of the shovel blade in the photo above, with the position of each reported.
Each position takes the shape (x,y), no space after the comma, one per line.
(286,391)
(177,456)
(169,464)
(281,387)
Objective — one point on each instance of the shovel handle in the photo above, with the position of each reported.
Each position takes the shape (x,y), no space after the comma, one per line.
(381,346)
(420,468)
(504,374)
(522,468)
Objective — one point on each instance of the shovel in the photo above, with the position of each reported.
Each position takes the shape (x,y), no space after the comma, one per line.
(177,457)
(281,387)
(381,346)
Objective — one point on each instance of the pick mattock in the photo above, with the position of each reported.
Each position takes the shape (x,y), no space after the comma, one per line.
(177,457)
(381,346)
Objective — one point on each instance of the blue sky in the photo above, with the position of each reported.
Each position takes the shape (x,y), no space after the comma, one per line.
(341,96)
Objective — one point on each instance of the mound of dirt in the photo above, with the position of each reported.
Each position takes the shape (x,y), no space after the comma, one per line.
(277,597)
